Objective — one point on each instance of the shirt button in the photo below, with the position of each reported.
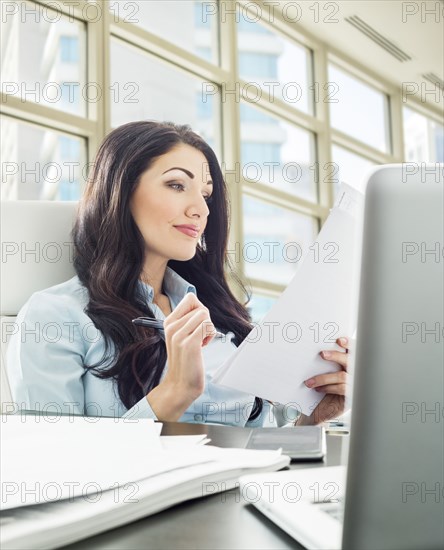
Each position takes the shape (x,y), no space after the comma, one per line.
(198,417)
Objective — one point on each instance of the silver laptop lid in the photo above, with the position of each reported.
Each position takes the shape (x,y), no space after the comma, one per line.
(395,480)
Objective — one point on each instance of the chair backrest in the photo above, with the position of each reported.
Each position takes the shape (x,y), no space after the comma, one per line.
(37,252)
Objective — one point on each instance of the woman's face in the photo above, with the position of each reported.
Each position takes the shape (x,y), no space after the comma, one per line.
(169,204)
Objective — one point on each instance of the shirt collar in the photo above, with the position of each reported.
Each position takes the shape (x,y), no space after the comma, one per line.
(174,286)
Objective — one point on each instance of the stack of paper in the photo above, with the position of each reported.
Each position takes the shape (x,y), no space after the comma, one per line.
(69,478)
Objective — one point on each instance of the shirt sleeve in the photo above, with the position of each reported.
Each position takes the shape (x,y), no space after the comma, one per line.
(141,409)
(45,358)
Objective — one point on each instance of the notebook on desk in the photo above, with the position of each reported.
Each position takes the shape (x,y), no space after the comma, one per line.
(392,493)
(300,443)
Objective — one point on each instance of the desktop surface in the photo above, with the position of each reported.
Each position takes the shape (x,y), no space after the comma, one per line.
(217,521)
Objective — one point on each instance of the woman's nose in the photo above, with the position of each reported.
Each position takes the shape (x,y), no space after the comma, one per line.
(199,207)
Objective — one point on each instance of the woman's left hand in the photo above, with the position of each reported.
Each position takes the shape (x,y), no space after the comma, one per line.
(333,385)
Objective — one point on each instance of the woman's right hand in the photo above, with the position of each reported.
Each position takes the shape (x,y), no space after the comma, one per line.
(187,329)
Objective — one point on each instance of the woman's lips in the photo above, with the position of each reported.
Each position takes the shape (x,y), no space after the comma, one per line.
(188,231)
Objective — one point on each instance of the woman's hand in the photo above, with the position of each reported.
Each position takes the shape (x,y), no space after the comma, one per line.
(187,329)
(333,385)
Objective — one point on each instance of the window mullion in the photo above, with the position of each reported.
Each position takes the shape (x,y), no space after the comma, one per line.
(155,45)
(360,148)
(396,126)
(48,117)
(282,199)
(98,73)
(322,111)
(231,139)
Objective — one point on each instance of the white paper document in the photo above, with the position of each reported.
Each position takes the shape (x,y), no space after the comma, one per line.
(181,442)
(47,458)
(318,306)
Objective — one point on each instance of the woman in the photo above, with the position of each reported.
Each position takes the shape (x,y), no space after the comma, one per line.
(150,240)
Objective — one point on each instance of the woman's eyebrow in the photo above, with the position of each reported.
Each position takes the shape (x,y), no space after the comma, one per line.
(187,172)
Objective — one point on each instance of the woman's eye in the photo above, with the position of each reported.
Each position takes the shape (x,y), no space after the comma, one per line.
(177,186)
(180,187)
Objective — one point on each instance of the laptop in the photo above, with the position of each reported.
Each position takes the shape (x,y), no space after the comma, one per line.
(392,494)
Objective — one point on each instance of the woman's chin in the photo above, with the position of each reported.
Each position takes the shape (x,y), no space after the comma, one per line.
(185,255)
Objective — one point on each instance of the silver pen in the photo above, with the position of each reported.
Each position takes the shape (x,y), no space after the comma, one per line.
(158,324)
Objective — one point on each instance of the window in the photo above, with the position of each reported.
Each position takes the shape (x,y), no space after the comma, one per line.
(245,24)
(69,49)
(205,109)
(268,152)
(277,154)
(204,53)
(349,168)
(254,115)
(60,101)
(205,14)
(30,71)
(260,65)
(423,138)
(275,240)
(41,164)
(69,148)
(347,95)
(148,88)
(69,190)
(282,67)
(191,25)
(71,96)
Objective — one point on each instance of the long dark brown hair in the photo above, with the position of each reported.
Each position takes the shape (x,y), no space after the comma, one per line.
(109,257)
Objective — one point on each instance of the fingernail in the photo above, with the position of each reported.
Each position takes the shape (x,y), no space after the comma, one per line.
(310,382)
(326,354)
(344,341)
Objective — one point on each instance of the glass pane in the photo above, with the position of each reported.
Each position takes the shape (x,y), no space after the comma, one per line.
(191,25)
(350,168)
(357,109)
(281,67)
(423,138)
(275,240)
(44,58)
(146,88)
(40,164)
(259,306)
(277,153)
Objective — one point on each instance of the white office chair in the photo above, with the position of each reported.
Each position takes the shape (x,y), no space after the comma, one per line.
(37,252)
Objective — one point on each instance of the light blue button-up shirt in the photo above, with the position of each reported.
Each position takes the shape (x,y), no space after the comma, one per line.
(55,339)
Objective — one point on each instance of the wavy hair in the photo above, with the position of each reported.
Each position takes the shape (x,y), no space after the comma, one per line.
(109,257)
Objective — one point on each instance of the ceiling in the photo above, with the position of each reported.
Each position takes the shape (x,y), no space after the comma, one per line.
(410,38)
